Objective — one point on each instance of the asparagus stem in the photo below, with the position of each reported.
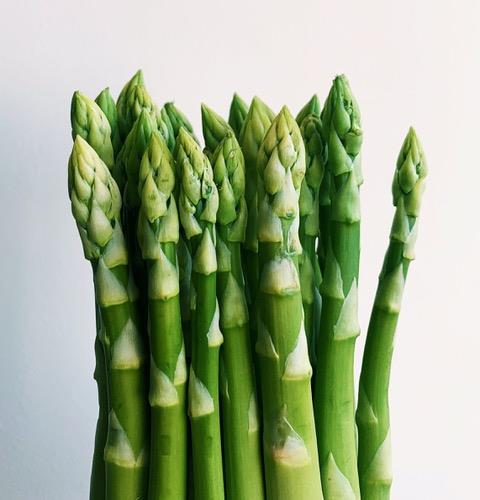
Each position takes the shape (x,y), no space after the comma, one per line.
(198,204)
(374,460)
(257,122)
(96,204)
(158,232)
(241,432)
(214,129)
(290,452)
(107,105)
(90,123)
(310,273)
(334,385)
(238,114)
(97,479)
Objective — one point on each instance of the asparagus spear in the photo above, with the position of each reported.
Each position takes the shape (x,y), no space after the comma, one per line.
(312,107)
(374,460)
(334,386)
(310,274)
(107,105)
(238,113)
(241,432)
(125,102)
(198,204)
(257,122)
(214,129)
(178,120)
(89,122)
(290,452)
(158,236)
(96,204)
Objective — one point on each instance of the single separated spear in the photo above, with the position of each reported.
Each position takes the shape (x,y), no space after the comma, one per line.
(373,420)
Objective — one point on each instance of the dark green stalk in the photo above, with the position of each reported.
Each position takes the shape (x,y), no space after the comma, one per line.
(290,451)
(334,385)
(241,432)
(198,204)
(96,204)
(373,420)
(158,232)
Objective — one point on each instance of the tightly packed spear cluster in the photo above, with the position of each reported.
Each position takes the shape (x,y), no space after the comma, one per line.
(226,284)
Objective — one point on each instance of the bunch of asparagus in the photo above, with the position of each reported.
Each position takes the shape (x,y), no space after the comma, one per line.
(226,298)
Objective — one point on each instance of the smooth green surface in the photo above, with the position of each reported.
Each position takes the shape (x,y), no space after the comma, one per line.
(373,419)
(290,450)
(96,204)
(334,384)
(239,405)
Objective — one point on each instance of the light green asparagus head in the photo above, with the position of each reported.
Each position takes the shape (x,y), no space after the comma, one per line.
(178,120)
(95,199)
(198,198)
(158,219)
(122,102)
(165,127)
(409,179)
(229,176)
(342,129)
(135,146)
(258,120)
(238,113)
(281,168)
(214,129)
(315,160)
(107,104)
(90,123)
(311,108)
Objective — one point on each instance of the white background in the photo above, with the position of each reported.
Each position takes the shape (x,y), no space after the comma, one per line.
(409,62)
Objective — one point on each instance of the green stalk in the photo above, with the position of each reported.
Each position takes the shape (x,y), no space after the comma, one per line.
(96,204)
(290,451)
(238,114)
(107,105)
(198,204)
(241,432)
(310,274)
(257,122)
(374,450)
(158,232)
(214,129)
(97,478)
(90,123)
(334,385)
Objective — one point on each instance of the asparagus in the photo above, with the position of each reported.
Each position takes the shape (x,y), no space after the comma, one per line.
(241,432)
(312,107)
(198,204)
(257,122)
(290,452)
(334,386)
(374,460)
(214,129)
(96,204)
(158,230)
(178,120)
(310,274)
(238,113)
(124,104)
(107,105)
(90,123)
